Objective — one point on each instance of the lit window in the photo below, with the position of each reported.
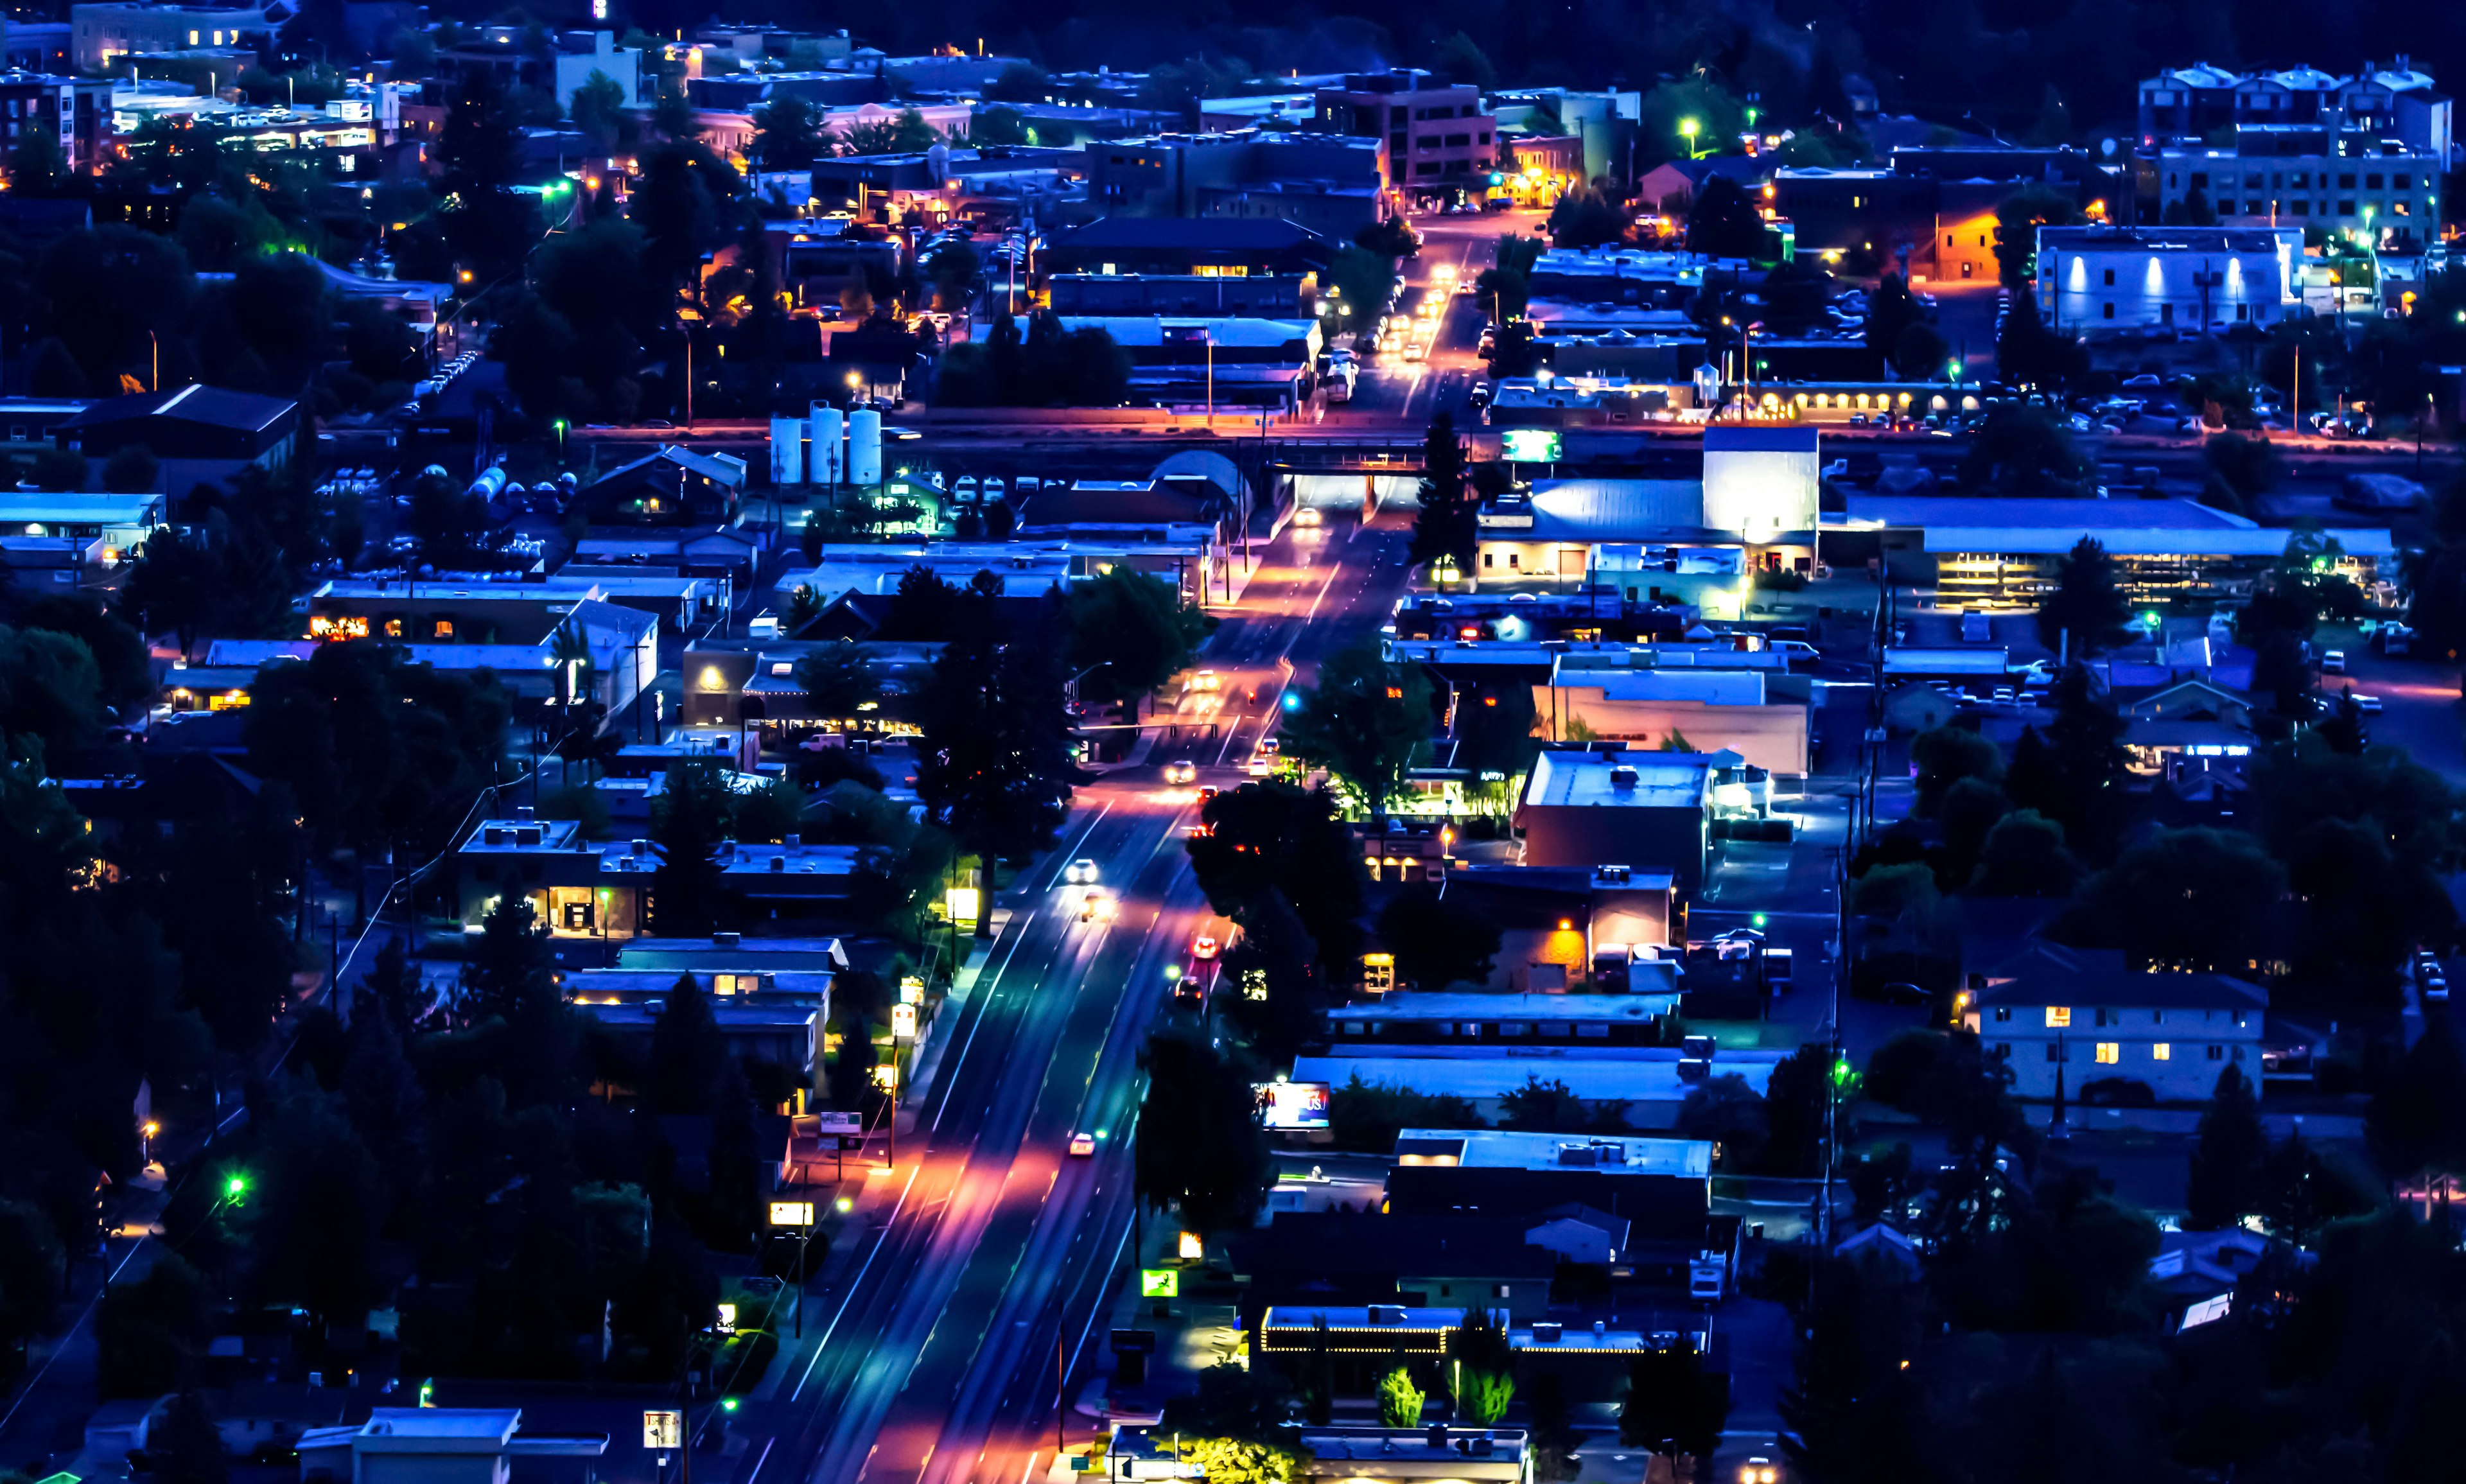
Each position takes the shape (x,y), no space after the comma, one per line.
(2109,1054)
(2059,1017)
(2160,1051)
(2002,1012)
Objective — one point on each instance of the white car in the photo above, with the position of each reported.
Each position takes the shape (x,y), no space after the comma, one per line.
(1260,765)
(1082,1145)
(1308,516)
(1182,772)
(2368,705)
(1081,872)
(1207,679)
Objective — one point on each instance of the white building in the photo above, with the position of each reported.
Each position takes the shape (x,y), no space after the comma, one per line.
(2200,278)
(448,1445)
(2086,1013)
(622,65)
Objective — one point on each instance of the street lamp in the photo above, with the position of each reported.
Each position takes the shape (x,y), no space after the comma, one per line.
(145,1132)
(1687,128)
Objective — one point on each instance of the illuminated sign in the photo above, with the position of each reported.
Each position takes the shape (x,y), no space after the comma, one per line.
(1159,1283)
(663,1430)
(1293,1105)
(1533,445)
(903,1021)
(791,1213)
(344,626)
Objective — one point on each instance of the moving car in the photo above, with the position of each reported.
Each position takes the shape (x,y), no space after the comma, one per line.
(2368,705)
(1093,907)
(1203,947)
(2333,661)
(1081,872)
(1182,772)
(1083,1144)
(1207,679)
(1309,515)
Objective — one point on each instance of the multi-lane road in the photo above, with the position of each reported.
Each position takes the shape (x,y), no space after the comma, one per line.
(969,1301)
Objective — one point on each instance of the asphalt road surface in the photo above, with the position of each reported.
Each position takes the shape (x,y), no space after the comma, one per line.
(973,1304)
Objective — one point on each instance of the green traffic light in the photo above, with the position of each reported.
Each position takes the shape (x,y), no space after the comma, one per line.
(234,1187)
(1759,919)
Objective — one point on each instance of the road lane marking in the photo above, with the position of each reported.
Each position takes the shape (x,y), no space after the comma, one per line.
(855,1286)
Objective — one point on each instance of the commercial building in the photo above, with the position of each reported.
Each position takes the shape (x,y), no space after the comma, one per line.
(1561,929)
(1689,708)
(1505,1172)
(2089,1015)
(584,888)
(574,57)
(1651,809)
(1234,296)
(1438,137)
(1344,1451)
(198,435)
(121,522)
(1241,248)
(1328,182)
(448,1445)
(1602,126)
(1939,204)
(1227,362)
(1449,1019)
(2094,281)
(1755,507)
(2001,555)
(2363,187)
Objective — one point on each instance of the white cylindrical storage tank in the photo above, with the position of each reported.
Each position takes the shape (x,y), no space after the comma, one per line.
(864,447)
(824,465)
(787,450)
(488,486)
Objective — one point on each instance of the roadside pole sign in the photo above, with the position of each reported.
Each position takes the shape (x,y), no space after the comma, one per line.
(1159,1283)
(663,1432)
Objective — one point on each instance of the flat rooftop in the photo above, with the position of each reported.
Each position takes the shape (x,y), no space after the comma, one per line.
(1413,1007)
(1661,780)
(1507,1149)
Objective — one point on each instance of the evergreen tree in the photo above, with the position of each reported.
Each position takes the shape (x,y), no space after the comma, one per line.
(687,1052)
(688,829)
(1199,1146)
(1673,1406)
(735,1156)
(2227,1157)
(2087,609)
(187,1447)
(996,766)
(1447,531)
(511,964)
(1853,1413)
(1485,1366)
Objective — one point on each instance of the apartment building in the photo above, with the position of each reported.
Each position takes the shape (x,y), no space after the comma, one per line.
(2195,102)
(100,34)
(2370,188)
(76,111)
(1440,139)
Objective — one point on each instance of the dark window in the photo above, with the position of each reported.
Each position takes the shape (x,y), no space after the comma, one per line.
(2110,278)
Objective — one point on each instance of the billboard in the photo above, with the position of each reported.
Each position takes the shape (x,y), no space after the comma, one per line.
(1533,445)
(1292,1105)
